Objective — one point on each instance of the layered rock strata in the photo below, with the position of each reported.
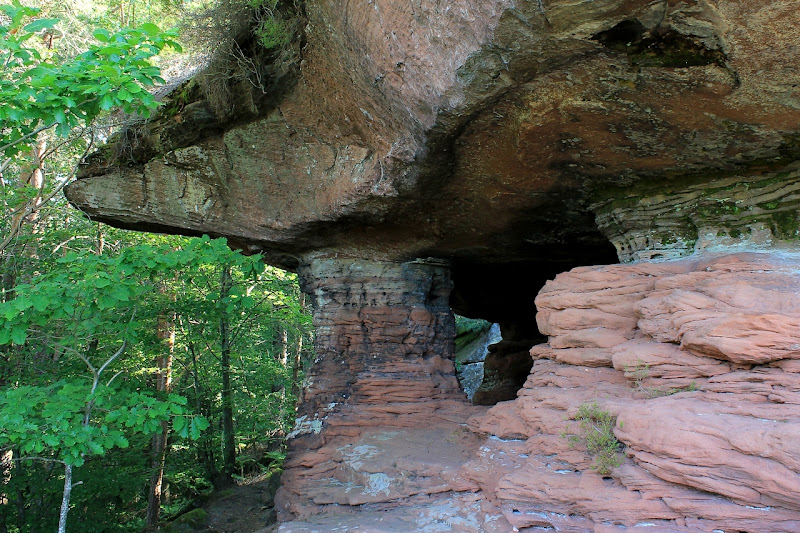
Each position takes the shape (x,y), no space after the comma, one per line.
(704,213)
(697,360)
(382,414)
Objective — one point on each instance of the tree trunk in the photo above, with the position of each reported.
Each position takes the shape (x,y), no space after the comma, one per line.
(32,175)
(62,516)
(6,464)
(228,441)
(284,346)
(158,444)
(298,361)
(205,451)
(19,501)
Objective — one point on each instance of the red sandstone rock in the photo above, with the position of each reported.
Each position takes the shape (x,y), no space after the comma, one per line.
(708,436)
(706,395)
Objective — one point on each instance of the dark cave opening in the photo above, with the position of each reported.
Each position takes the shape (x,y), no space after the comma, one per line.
(505,293)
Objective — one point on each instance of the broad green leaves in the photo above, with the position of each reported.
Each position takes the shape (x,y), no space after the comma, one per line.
(41,92)
(45,420)
(96,298)
(79,308)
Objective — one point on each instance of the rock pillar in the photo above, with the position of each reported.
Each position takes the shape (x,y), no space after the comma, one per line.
(384,368)
(384,333)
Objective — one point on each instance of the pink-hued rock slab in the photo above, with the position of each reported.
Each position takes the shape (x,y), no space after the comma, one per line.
(704,386)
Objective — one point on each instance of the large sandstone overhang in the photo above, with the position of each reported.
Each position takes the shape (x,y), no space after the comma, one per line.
(493,135)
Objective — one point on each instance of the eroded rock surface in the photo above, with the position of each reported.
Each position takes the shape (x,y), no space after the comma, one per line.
(486,133)
(382,418)
(697,359)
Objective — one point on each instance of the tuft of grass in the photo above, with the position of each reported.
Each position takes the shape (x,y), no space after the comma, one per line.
(641,371)
(596,434)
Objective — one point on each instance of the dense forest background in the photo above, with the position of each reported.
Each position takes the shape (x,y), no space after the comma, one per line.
(138,372)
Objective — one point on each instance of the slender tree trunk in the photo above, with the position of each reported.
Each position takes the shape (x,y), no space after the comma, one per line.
(6,464)
(158,444)
(20,499)
(32,175)
(100,242)
(298,355)
(284,346)
(62,516)
(228,441)
(205,452)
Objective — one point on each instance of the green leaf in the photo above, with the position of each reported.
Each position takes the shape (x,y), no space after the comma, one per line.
(19,334)
(179,425)
(106,102)
(175,46)
(96,448)
(40,24)
(150,29)
(197,426)
(39,302)
(101,35)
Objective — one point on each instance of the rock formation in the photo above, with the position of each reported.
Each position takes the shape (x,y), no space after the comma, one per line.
(696,359)
(422,156)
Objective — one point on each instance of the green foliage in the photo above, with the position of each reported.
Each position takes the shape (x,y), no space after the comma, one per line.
(51,420)
(41,91)
(466,325)
(596,433)
(81,307)
(79,299)
(468,330)
(272,32)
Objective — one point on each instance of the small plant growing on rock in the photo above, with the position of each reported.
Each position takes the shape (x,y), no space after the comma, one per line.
(596,433)
(641,371)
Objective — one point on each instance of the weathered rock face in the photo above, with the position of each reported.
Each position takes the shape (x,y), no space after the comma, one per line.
(381,414)
(487,133)
(697,359)
(693,361)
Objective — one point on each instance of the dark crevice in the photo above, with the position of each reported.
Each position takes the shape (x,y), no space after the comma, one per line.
(658,48)
(625,34)
(504,292)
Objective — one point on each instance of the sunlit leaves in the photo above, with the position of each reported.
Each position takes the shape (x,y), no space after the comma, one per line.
(51,419)
(43,92)
(86,305)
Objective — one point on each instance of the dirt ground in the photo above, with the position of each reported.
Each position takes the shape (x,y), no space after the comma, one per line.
(245,508)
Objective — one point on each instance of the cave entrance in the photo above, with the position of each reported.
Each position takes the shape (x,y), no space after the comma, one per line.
(474,337)
(503,293)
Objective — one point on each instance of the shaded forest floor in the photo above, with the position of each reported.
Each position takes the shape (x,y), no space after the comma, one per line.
(245,508)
